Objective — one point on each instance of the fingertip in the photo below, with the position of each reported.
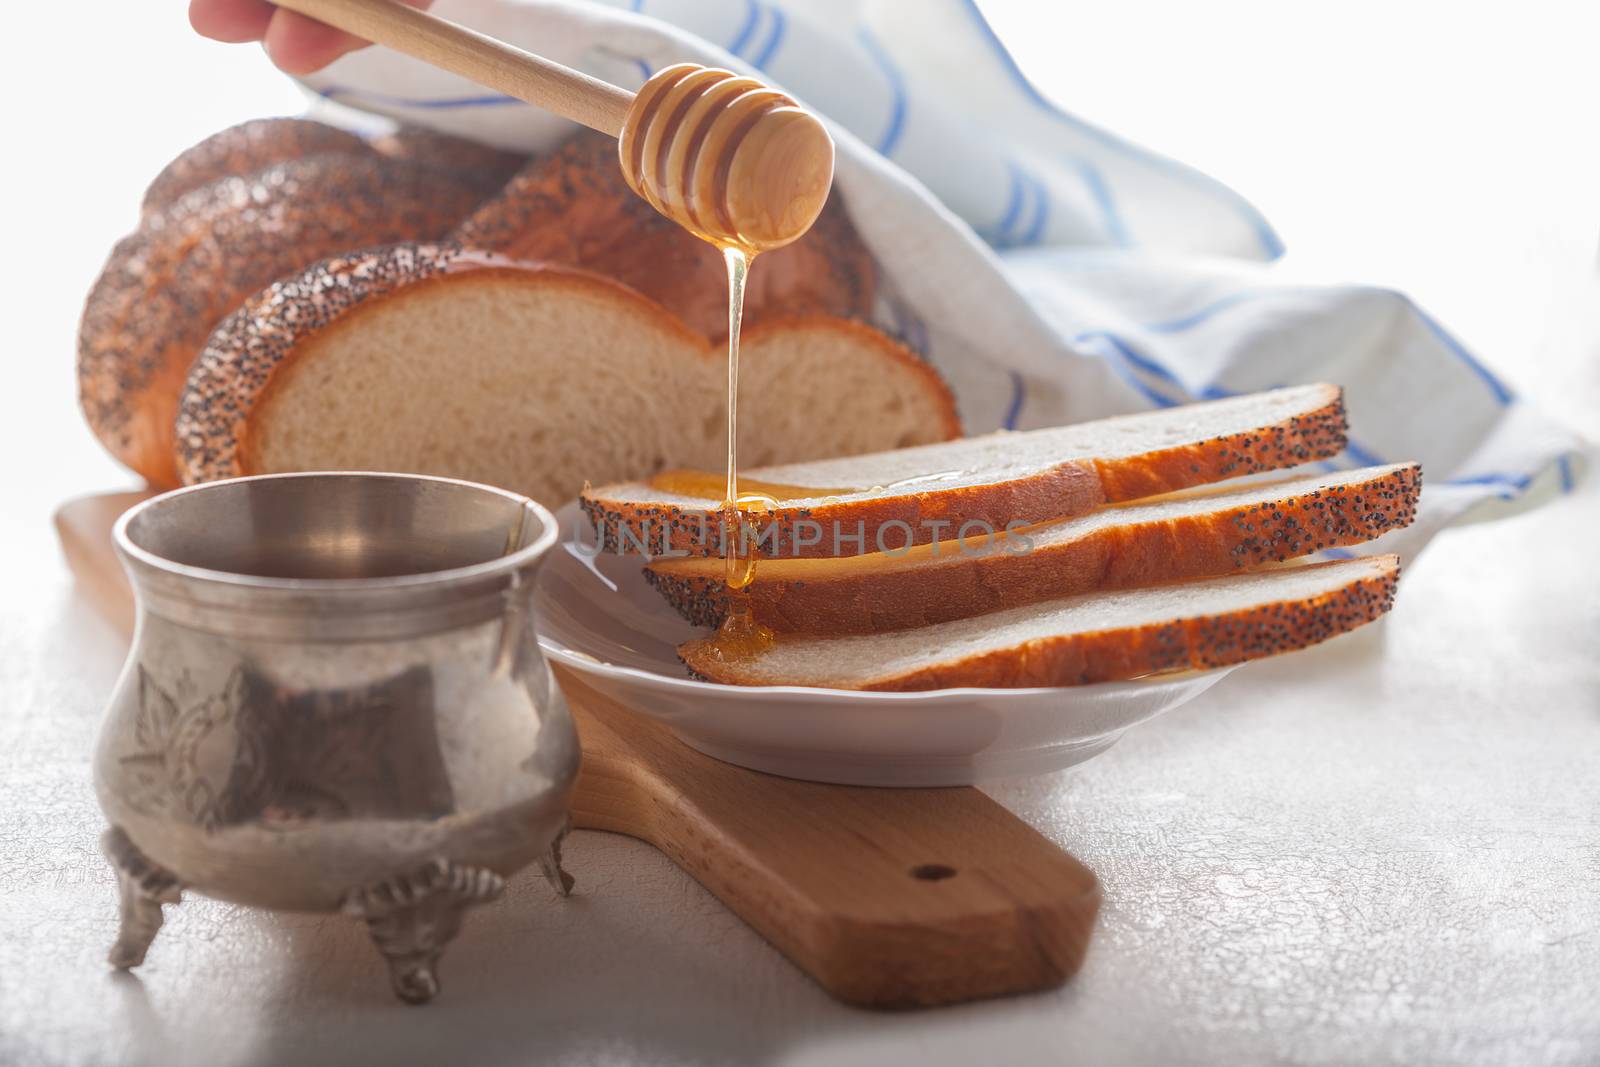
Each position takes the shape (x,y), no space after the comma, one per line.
(231,21)
(300,45)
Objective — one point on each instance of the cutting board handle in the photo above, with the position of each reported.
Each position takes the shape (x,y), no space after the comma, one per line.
(889,898)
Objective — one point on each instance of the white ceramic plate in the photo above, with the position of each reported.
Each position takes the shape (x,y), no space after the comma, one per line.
(599,617)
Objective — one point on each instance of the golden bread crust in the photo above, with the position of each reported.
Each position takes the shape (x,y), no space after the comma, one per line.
(804,597)
(1200,642)
(1064,490)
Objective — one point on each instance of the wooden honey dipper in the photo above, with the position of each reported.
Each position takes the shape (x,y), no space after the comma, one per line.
(730,159)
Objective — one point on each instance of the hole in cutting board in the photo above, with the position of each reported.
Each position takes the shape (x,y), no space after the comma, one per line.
(932,872)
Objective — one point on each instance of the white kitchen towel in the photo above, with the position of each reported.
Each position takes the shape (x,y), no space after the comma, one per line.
(1050,270)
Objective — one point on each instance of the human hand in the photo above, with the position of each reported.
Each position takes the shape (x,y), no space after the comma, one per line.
(297,44)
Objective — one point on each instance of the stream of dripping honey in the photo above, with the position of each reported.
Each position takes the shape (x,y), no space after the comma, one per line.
(745,504)
(740,635)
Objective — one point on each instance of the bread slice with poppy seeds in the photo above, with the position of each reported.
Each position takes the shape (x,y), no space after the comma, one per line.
(1118,547)
(887,500)
(1099,637)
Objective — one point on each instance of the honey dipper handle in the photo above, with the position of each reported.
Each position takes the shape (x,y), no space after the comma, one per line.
(495,64)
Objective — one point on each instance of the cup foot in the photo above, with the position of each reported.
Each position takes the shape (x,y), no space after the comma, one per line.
(413,917)
(142,888)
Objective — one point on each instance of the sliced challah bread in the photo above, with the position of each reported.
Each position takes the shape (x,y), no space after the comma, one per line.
(915,495)
(1118,547)
(443,360)
(573,207)
(166,286)
(1100,637)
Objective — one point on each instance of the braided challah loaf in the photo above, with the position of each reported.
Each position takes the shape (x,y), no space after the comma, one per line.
(196,258)
(456,359)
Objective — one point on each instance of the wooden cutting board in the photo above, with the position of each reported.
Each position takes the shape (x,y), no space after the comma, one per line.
(889,898)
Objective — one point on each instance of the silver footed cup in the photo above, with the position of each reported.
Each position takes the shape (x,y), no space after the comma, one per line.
(335,701)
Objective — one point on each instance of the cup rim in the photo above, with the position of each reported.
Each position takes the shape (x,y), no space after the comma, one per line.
(509,562)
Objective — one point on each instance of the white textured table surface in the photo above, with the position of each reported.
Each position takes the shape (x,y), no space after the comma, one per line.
(1385,850)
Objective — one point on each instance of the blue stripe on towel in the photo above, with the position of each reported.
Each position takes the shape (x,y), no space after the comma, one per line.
(1266,236)
(1210,391)
(897,312)
(919,335)
(1110,217)
(1144,390)
(1502,394)
(1115,353)
(1127,360)
(1025,186)
(334,92)
(1019,393)
(1564,467)
(1000,235)
(1498,388)
(909,328)
(742,38)
(1195,318)
(1041,211)
(1136,358)
(1516,481)
(897,86)
(780,22)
